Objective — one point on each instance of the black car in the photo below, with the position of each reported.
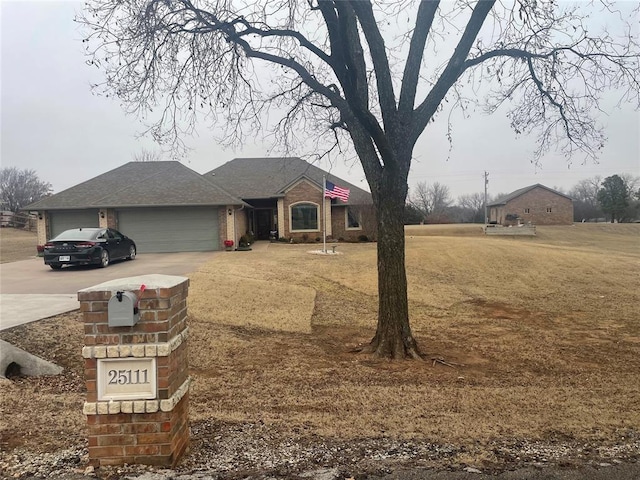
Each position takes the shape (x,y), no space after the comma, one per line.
(85,246)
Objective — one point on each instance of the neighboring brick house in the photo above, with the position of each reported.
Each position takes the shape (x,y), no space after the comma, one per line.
(167,207)
(536,204)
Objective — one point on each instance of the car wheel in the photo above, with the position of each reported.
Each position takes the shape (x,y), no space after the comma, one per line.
(104,259)
(132,252)
(55,266)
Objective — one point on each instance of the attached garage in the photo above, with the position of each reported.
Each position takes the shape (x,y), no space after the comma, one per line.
(60,221)
(171,229)
(162,206)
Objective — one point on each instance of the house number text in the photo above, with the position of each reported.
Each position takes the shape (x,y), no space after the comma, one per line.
(122,377)
(127,378)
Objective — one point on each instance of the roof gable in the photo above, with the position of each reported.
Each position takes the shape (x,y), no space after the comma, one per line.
(522,191)
(254,178)
(297,181)
(137,184)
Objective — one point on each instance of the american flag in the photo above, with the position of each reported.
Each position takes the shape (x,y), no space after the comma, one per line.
(334,191)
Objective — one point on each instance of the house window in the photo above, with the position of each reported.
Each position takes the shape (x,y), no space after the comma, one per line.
(352,219)
(526,210)
(548,209)
(304,216)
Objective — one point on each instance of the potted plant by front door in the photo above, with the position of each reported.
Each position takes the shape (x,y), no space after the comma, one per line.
(244,244)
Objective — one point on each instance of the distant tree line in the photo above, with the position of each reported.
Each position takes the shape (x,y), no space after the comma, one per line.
(613,199)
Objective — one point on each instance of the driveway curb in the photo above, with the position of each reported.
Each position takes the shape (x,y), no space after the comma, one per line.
(17,309)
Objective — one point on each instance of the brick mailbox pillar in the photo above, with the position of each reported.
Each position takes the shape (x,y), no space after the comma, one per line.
(136,376)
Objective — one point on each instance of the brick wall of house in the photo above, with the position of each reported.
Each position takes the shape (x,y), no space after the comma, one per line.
(281,226)
(43,227)
(339,224)
(303,191)
(367,223)
(103,220)
(242,225)
(223,217)
(534,205)
(112,218)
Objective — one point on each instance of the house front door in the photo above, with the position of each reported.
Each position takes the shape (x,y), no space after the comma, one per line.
(263,223)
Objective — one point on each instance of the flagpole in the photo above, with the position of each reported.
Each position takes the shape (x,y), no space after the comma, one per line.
(324,215)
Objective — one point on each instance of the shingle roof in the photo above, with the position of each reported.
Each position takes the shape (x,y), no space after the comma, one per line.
(261,178)
(140,184)
(517,193)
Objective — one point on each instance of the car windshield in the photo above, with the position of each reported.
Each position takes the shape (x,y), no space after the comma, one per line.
(77,234)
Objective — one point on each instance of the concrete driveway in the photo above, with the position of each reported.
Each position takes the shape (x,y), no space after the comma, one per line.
(30,290)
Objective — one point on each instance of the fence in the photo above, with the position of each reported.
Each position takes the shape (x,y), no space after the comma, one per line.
(22,221)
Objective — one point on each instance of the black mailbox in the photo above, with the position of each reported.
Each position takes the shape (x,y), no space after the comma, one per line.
(123,310)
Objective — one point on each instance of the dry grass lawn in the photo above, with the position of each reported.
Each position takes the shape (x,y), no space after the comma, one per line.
(545,330)
(16,244)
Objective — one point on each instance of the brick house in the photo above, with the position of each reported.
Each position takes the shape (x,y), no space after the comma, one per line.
(167,207)
(285,195)
(536,204)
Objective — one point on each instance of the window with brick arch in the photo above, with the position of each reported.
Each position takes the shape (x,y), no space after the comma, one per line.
(304,217)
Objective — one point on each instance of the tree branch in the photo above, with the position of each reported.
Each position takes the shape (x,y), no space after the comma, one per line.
(424,20)
(379,57)
(455,67)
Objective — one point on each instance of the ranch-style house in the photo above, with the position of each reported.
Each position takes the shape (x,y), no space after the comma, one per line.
(535,204)
(167,207)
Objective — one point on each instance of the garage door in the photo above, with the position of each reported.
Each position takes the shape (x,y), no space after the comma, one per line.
(60,221)
(171,229)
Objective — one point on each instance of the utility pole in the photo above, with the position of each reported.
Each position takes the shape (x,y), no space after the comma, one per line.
(486,182)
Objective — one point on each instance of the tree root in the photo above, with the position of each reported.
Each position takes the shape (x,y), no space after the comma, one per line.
(409,353)
(442,361)
(374,349)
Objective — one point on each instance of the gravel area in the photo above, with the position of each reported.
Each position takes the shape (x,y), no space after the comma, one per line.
(253,451)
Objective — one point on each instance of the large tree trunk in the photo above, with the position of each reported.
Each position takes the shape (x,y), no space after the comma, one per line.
(393,335)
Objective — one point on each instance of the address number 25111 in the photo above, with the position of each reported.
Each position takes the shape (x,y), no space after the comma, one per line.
(127,378)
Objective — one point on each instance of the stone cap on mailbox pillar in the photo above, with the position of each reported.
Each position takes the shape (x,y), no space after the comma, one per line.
(152,281)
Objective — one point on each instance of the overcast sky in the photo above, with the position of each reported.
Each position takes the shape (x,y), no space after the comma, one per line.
(52,123)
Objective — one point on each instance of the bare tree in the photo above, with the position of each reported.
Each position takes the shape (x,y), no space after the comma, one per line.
(145,155)
(341,70)
(473,204)
(440,197)
(19,188)
(432,200)
(585,199)
(632,212)
(419,199)
(631,181)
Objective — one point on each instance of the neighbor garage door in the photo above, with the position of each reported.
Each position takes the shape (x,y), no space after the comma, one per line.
(60,221)
(171,229)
